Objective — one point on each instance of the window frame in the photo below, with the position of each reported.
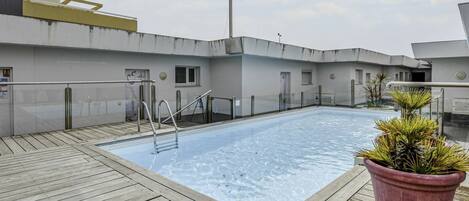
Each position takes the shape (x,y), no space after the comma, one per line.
(359,79)
(310,78)
(188,83)
(367,77)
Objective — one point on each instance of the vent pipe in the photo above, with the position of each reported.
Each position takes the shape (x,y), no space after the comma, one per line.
(231,18)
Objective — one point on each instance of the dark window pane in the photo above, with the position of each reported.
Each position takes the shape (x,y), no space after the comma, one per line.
(191,75)
(180,75)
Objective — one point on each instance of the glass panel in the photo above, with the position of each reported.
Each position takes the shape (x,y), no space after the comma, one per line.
(180,75)
(38,108)
(191,75)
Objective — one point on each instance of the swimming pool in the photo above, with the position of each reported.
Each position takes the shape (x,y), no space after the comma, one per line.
(282,157)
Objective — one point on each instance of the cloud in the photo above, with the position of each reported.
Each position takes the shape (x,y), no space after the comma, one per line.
(382,25)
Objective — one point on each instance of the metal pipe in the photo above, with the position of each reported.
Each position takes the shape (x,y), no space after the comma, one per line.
(428,84)
(178,104)
(68,108)
(188,105)
(79,82)
(320,94)
(252,105)
(232,108)
(352,93)
(302,99)
(209,109)
(230,7)
(442,111)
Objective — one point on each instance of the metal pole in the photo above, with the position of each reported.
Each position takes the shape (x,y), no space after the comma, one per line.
(209,109)
(178,104)
(141,99)
(252,105)
(320,94)
(443,111)
(280,102)
(352,90)
(302,99)
(231,17)
(153,102)
(68,108)
(232,109)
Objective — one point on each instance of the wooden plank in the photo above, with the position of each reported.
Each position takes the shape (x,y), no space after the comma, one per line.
(23,143)
(326,192)
(66,137)
(54,139)
(14,147)
(36,144)
(116,193)
(53,183)
(71,137)
(100,189)
(44,140)
(4,150)
(352,187)
(154,181)
(135,193)
(71,187)
(161,198)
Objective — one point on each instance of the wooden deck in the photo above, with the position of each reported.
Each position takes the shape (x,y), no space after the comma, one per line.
(355,185)
(83,172)
(32,142)
(68,166)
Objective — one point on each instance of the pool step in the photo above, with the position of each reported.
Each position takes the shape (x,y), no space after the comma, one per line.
(167,146)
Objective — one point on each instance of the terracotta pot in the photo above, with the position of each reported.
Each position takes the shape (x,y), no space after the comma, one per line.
(393,185)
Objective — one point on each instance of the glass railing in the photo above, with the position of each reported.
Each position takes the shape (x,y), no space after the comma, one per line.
(52,106)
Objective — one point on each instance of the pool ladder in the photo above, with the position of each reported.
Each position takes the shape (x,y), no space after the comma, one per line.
(164,146)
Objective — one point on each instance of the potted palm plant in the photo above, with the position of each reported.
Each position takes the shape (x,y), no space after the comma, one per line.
(409,161)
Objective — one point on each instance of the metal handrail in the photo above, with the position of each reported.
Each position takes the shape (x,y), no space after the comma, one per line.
(188,105)
(171,115)
(150,119)
(78,82)
(429,84)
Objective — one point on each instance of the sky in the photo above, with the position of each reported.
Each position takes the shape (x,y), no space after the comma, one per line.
(387,26)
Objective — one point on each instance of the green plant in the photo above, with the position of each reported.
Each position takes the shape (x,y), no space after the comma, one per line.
(410,143)
(374,89)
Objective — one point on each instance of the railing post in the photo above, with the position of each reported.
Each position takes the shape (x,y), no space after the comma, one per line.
(302,99)
(252,105)
(153,102)
(232,108)
(209,109)
(141,99)
(68,108)
(280,102)
(178,104)
(320,94)
(352,94)
(442,111)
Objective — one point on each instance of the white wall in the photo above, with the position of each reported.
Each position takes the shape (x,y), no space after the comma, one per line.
(33,105)
(261,78)
(335,79)
(226,79)
(445,70)
(360,92)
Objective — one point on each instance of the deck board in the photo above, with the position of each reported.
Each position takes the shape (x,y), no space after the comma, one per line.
(4,150)
(81,171)
(355,185)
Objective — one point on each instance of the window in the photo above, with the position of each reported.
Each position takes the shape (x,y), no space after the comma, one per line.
(187,76)
(368,77)
(401,76)
(306,78)
(359,76)
(397,77)
(406,78)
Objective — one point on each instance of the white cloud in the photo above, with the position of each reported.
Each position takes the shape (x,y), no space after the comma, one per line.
(383,25)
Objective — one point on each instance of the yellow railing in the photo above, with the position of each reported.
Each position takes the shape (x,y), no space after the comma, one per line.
(62,12)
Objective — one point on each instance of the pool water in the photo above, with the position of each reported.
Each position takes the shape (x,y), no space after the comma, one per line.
(286,157)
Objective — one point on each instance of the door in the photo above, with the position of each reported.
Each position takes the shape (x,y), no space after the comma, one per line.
(284,90)
(6,100)
(418,77)
(132,92)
